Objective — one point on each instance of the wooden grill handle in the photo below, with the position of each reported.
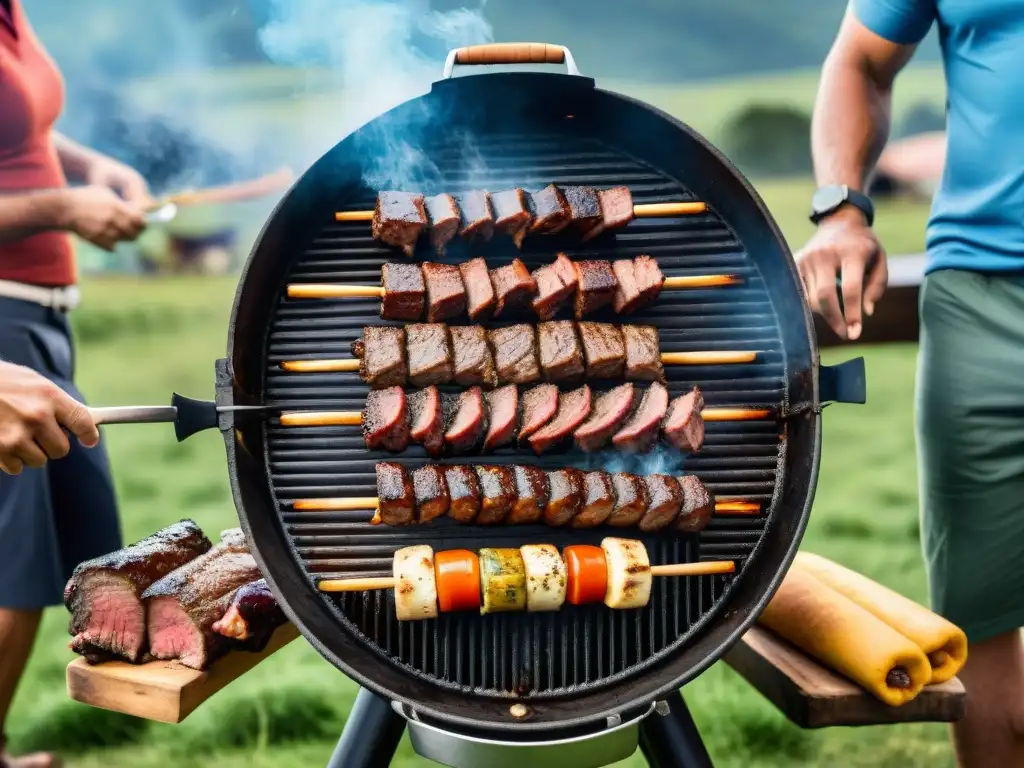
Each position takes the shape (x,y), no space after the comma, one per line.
(511,53)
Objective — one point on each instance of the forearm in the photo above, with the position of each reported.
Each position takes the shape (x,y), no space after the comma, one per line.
(75,158)
(26,214)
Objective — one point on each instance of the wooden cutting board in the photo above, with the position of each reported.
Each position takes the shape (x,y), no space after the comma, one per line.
(165,691)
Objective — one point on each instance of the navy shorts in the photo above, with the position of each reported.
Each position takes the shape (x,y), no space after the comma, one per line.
(51,518)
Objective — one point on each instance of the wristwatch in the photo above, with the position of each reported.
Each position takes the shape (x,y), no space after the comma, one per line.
(829,199)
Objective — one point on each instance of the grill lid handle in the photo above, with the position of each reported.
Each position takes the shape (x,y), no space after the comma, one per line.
(510,53)
(843,383)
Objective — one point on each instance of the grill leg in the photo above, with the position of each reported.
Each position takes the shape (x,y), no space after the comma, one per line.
(671,740)
(371,734)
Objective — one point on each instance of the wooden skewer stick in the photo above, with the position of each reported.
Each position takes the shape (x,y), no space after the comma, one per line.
(641,211)
(355,503)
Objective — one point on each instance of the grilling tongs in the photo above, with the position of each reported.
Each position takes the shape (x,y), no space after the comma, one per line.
(187,414)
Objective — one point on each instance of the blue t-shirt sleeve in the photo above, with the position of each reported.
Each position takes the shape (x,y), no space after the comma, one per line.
(904,22)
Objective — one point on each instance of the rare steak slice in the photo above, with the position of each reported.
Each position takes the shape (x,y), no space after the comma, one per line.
(515,353)
(551,292)
(404,292)
(469,424)
(640,433)
(596,285)
(474,364)
(698,505)
(252,616)
(573,408)
(611,409)
(684,427)
(446,295)
(386,420)
(431,491)
(630,500)
(426,420)
(531,495)
(539,406)
(430,356)
(502,412)
(603,350)
(395,497)
(477,215)
(627,293)
(497,493)
(664,497)
(514,286)
(643,353)
(649,279)
(445,220)
(479,292)
(561,357)
(599,500)
(398,219)
(381,354)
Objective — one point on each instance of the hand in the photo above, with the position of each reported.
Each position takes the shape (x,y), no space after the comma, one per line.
(98,215)
(32,411)
(106,172)
(844,246)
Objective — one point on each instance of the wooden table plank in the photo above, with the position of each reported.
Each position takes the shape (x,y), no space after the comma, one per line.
(814,697)
(165,691)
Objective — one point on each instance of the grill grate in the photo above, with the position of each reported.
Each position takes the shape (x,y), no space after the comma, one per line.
(535,655)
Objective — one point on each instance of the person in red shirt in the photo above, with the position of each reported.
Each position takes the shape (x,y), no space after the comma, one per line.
(53,514)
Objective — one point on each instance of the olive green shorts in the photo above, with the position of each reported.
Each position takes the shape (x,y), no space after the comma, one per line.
(970,448)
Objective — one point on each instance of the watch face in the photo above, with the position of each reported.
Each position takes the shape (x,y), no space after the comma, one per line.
(827,198)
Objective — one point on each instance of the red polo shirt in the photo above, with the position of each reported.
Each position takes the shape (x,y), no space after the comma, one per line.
(31,99)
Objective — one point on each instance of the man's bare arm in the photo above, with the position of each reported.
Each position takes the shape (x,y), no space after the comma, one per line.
(75,158)
(29,213)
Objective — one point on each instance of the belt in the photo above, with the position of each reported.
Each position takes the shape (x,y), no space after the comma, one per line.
(62,299)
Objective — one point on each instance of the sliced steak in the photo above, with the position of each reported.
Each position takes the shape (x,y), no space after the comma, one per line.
(616,211)
(512,214)
(643,353)
(566,270)
(464,492)
(603,350)
(630,500)
(595,288)
(610,411)
(497,493)
(444,221)
(698,505)
(566,494)
(515,353)
(252,616)
(386,420)
(479,291)
(599,501)
(640,433)
(103,594)
(502,412)
(664,497)
(426,420)
(395,497)
(382,356)
(531,495)
(649,279)
(398,219)
(514,286)
(584,207)
(573,408)
(550,211)
(561,358)
(551,292)
(627,293)
(404,292)
(539,406)
(446,296)
(477,216)
(430,356)
(469,424)
(684,427)
(431,492)
(474,363)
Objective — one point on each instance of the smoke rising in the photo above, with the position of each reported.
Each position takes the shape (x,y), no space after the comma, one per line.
(662,460)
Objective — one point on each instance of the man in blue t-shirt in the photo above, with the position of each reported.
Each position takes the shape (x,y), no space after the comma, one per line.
(970,398)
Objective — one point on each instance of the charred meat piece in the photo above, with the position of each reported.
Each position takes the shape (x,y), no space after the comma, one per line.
(627,293)
(595,288)
(474,363)
(386,420)
(497,493)
(684,427)
(430,356)
(649,279)
(697,507)
(641,431)
(252,616)
(616,210)
(531,495)
(426,420)
(610,411)
(566,494)
(103,594)
(514,286)
(630,500)
(539,406)
(404,292)
(584,207)
(552,290)
(502,411)
(398,219)
(566,270)
(464,493)
(469,424)
(446,296)
(479,292)
(382,359)
(477,216)
(445,220)
(395,496)
(643,353)
(561,358)
(515,353)
(599,500)
(431,492)
(550,211)
(573,408)
(512,213)
(603,350)
(664,497)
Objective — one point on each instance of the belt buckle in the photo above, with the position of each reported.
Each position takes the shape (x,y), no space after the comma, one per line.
(65,299)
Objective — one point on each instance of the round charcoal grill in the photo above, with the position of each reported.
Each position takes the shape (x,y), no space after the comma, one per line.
(585,670)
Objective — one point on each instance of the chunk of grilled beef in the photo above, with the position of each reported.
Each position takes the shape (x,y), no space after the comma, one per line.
(630,500)
(684,427)
(538,406)
(603,350)
(431,492)
(649,279)
(430,355)
(103,594)
(561,358)
(599,500)
(573,409)
(469,424)
(643,353)
(616,211)
(444,219)
(474,363)
(404,292)
(252,616)
(446,295)
(566,270)
(531,495)
(566,494)
(463,491)
(426,419)
(381,354)
(395,497)
(398,219)
(551,292)
(512,214)
(477,215)
(595,288)
(386,420)
(640,433)
(584,207)
(514,286)
(550,210)
(664,497)
(515,353)
(479,292)
(697,507)
(627,294)
(502,412)
(610,411)
(497,493)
